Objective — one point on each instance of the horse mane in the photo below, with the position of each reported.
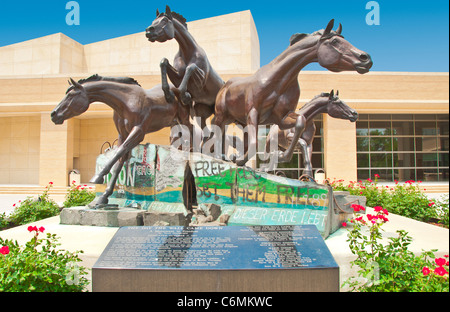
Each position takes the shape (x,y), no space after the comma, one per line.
(331,34)
(177,16)
(97,77)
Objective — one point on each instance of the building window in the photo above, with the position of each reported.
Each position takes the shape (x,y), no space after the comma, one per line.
(403,147)
(294,169)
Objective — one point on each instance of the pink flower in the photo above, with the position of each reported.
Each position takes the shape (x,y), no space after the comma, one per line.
(425,271)
(32,228)
(440,271)
(440,261)
(4,250)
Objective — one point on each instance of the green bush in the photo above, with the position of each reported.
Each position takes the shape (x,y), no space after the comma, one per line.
(403,199)
(78,196)
(34,209)
(40,266)
(391,267)
(442,210)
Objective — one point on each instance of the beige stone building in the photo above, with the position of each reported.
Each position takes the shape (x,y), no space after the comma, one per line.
(402,133)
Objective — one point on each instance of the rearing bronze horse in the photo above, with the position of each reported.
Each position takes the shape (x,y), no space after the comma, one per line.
(191,72)
(270,96)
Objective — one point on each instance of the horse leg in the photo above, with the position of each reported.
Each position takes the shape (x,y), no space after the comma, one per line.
(198,76)
(103,199)
(300,125)
(134,138)
(167,69)
(306,157)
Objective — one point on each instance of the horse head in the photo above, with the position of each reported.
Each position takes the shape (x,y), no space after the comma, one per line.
(338,109)
(337,54)
(162,28)
(73,104)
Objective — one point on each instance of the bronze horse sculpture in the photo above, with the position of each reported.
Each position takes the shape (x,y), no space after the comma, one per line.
(328,103)
(270,96)
(191,72)
(136,113)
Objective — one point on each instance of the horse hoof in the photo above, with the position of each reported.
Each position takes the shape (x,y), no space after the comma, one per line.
(97,180)
(186,99)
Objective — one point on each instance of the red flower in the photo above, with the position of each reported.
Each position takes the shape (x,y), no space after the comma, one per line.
(440,271)
(440,261)
(377,175)
(4,250)
(357,207)
(344,224)
(32,228)
(369,180)
(425,271)
(430,204)
(51,183)
(378,208)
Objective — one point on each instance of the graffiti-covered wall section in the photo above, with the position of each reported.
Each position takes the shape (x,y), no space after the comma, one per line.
(166,179)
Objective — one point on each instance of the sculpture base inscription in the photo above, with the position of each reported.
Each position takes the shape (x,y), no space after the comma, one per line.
(237,258)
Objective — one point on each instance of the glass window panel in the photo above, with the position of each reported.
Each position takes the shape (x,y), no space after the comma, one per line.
(363,174)
(443,160)
(380,144)
(442,117)
(317,145)
(362,144)
(317,161)
(425,117)
(380,117)
(294,163)
(443,127)
(426,128)
(404,160)
(385,175)
(402,128)
(427,174)
(426,144)
(363,160)
(443,174)
(443,144)
(404,174)
(362,128)
(363,117)
(403,117)
(381,160)
(426,160)
(379,128)
(403,144)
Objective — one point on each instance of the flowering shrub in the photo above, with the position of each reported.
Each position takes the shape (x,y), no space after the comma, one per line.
(403,199)
(78,195)
(39,266)
(32,209)
(391,267)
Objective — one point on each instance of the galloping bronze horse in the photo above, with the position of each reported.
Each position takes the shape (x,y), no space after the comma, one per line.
(270,96)
(328,103)
(136,113)
(191,72)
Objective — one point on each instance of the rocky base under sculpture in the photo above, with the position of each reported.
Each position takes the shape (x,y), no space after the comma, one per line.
(164,186)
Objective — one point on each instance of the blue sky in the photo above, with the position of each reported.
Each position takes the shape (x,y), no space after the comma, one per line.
(412,36)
